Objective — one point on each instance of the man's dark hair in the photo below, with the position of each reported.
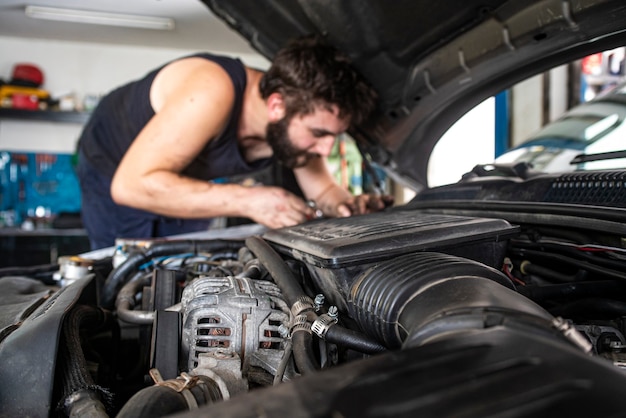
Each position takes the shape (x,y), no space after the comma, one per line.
(308,72)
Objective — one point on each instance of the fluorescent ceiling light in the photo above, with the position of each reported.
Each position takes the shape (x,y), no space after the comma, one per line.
(99,18)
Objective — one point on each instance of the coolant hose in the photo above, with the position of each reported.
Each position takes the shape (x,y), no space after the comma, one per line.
(277,268)
(526,267)
(573,291)
(354,340)
(120,275)
(302,346)
(125,301)
(81,396)
(292,291)
(154,401)
(163,400)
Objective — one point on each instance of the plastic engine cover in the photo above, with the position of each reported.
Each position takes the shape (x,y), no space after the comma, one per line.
(336,251)
(344,242)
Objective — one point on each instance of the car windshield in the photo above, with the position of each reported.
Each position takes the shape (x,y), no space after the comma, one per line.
(591,128)
(582,129)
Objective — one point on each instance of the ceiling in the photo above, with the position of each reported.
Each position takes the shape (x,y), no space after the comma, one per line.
(196,28)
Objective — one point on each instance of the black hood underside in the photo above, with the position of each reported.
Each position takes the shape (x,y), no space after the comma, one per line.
(432,61)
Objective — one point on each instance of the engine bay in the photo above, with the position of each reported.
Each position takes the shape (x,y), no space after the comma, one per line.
(334,309)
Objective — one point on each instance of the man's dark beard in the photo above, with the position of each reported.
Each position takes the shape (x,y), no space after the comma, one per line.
(284,151)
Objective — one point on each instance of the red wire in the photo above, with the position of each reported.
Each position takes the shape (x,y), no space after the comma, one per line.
(505,268)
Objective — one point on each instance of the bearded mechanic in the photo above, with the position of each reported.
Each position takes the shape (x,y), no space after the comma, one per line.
(151,147)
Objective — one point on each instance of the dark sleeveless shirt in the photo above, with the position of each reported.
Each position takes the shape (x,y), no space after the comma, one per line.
(122,114)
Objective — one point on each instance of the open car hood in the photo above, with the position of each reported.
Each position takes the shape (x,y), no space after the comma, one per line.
(432,61)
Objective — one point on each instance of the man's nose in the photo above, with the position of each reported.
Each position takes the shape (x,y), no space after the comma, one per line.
(323,146)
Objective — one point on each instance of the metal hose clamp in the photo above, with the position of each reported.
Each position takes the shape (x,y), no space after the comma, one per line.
(303,304)
(181,384)
(322,324)
(300,323)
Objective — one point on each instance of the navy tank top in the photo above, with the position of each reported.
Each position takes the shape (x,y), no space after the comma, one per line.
(122,114)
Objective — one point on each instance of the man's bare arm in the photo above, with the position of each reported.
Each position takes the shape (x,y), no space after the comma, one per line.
(188,115)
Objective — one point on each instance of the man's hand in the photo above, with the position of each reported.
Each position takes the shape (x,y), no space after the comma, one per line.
(365,203)
(275,207)
(333,200)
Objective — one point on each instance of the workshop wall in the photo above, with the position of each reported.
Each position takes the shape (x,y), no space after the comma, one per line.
(37,180)
(76,70)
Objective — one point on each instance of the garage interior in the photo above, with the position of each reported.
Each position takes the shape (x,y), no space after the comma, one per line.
(81,62)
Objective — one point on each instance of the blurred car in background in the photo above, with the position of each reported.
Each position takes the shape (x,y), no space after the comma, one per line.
(594,127)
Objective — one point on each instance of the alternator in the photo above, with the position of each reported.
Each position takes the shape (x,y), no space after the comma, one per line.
(233,314)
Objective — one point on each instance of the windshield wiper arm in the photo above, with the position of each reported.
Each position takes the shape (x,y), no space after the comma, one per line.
(601,156)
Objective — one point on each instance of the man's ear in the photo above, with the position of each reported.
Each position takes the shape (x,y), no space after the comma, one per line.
(275,107)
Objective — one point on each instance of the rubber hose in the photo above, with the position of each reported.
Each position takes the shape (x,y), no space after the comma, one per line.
(158,401)
(468,304)
(531,268)
(86,403)
(380,295)
(561,259)
(354,340)
(79,388)
(302,346)
(302,341)
(125,301)
(599,306)
(600,288)
(277,268)
(282,366)
(573,252)
(120,275)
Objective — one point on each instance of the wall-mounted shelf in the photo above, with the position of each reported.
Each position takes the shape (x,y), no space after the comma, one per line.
(44,115)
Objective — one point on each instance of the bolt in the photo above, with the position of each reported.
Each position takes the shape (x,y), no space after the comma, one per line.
(283,330)
(319,300)
(595,330)
(333,312)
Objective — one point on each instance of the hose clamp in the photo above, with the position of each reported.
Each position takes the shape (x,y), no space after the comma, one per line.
(300,323)
(182,384)
(322,324)
(302,304)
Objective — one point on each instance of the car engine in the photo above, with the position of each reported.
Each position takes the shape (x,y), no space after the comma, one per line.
(467,310)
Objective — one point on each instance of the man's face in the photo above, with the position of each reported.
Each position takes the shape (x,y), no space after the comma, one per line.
(284,151)
(298,139)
